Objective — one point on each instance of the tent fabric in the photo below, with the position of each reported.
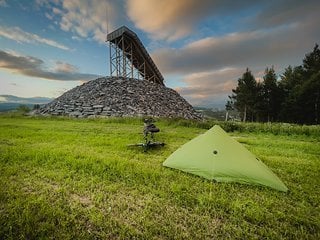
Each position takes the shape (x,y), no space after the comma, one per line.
(216,156)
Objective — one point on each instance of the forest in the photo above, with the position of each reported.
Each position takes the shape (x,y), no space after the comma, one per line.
(292,97)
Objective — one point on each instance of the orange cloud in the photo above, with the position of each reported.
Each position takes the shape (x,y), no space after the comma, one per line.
(167,19)
(209,86)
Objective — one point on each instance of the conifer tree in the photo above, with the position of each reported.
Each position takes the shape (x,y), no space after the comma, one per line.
(244,96)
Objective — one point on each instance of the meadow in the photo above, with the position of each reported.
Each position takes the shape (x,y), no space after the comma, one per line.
(77,179)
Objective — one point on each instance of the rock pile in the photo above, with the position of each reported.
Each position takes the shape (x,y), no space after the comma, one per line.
(114,96)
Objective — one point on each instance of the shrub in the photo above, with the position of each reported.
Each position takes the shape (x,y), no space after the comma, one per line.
(23,108)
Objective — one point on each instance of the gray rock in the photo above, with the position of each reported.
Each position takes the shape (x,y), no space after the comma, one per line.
(98,106)
(111,96)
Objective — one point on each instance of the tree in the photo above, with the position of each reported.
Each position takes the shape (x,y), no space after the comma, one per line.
(310,89)
(259,105)
(300,87)
(244,96)
(229,107)
(271,96)
(290,88)
(295,98)
(36,107)
(311,62)
(310,100)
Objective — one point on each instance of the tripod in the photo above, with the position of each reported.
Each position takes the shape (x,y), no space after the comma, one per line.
(149,130)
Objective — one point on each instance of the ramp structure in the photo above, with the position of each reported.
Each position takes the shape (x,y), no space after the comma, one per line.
(129,58)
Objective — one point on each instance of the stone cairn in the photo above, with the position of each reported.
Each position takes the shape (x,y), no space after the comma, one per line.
(120,97)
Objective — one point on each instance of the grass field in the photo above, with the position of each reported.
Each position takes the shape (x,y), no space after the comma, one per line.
(77,179)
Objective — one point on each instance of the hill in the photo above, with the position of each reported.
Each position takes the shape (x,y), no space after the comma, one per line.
(10,102)
(120,97)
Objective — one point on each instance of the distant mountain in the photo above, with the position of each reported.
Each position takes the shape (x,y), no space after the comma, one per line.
(217,104)
(212,113)
(10,102)
(217,114)
(15,99)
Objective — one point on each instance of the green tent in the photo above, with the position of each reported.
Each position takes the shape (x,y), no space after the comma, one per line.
(215,155)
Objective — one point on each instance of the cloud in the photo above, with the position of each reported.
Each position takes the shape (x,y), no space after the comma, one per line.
(211,66)
(3,3)
(35,67)
(46,3)
(172,20)
(65,67)
(277,46)
(50,17)
(283,12)
(206,88)
(88,19)
(18,35)
(164,24)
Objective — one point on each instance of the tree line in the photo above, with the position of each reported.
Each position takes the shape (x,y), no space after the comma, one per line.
(293,97)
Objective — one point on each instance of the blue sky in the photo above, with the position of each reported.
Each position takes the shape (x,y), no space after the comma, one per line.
(201,47)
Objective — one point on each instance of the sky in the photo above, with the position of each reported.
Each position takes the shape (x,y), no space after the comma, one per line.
(201,47)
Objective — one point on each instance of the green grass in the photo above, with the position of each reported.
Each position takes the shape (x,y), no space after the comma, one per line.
(77,179)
